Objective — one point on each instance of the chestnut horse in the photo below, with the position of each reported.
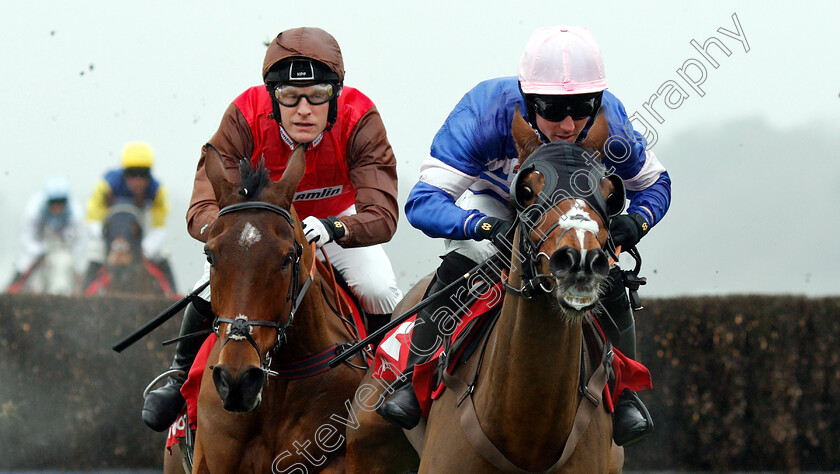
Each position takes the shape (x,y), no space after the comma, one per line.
(270,306)
(517,405)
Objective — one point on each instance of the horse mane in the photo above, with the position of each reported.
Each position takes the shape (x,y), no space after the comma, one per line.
(254,181)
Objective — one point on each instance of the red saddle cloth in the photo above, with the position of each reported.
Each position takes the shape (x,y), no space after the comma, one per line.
(392,355)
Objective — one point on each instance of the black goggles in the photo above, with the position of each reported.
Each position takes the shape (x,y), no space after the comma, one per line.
(555,108)
(137,172)
(289,95)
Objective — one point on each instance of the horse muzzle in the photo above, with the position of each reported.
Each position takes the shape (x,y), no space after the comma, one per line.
(241,393)
(567,261)
(579,275)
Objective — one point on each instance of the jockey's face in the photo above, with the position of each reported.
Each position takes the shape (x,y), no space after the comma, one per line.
(57,206)
(304,121)
(137,184)
(567,129)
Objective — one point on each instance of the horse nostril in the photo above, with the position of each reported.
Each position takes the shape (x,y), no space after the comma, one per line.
(597,262)
(565,260)
(222,380)
(250,382)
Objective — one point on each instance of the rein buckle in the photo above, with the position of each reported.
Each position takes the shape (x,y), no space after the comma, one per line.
(589,395)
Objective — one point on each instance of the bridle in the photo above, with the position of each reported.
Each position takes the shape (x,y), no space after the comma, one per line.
(240,327)
(533,282)
(561,166)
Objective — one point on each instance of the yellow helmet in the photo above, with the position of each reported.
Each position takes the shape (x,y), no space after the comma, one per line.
(137,155)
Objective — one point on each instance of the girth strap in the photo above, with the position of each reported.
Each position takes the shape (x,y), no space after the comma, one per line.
(591,399)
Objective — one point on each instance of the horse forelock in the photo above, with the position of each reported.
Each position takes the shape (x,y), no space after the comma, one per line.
(254,180)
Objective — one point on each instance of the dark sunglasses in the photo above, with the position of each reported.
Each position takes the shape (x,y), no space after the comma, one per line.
(555,108)
(137,172)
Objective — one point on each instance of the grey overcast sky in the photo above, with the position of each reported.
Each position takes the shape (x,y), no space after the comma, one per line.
(80,79)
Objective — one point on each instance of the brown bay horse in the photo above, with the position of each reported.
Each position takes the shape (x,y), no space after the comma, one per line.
(520,398)
(271,306)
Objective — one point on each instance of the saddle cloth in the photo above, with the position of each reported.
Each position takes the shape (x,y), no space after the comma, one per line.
(392,355)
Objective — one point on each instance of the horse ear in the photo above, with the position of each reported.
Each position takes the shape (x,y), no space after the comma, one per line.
(527,141)
(598,133)
(288,183)
(612,189)
(214,167)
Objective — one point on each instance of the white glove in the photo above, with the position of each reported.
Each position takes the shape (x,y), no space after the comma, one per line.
(316,231)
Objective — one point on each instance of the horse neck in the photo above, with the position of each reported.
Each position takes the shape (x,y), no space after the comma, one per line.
(531,368)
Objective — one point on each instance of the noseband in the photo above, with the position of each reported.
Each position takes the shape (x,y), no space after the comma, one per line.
(240,327)
(562,165)
(534,283)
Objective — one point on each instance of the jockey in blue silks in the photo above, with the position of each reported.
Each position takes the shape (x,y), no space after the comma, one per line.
(463,191)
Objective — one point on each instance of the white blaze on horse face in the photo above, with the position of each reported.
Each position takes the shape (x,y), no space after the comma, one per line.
(577,218)
(250,236)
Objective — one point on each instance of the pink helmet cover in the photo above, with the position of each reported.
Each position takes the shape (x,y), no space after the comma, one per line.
(562,60)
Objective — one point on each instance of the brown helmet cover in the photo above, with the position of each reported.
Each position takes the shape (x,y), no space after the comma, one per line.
(312,43)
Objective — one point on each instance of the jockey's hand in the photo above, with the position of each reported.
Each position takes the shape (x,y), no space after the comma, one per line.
(322,231)
(627,230)
(492,228)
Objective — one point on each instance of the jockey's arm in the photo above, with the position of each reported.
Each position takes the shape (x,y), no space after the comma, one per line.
(431,207)
(373,172)
(645,178)
(97,205)
(647,182)
(77,221)
(97,209)
(31,245)
(233,140)
(652,202)
(470,138)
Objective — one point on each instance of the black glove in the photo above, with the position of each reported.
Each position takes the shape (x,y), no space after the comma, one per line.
(335,227)
(628,229)
(491,228)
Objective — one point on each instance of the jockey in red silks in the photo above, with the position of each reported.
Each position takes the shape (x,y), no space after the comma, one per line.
(463,192)
(347,198)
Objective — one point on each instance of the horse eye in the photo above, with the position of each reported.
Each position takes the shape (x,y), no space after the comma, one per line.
(287,260)
(525,193)
(209,255)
